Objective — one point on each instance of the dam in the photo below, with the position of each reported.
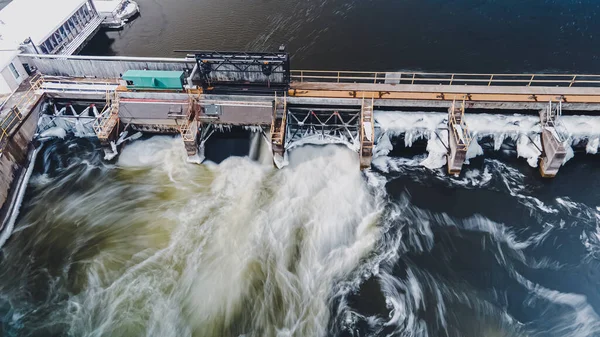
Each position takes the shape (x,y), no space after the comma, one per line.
(114,101)
(127,217)
(546,115)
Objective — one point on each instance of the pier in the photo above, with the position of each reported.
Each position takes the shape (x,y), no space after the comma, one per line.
(291,108)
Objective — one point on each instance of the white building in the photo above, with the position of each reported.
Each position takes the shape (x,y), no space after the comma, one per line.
(116,13)
(42,27)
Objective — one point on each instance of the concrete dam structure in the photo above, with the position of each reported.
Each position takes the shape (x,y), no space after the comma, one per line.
(113,99)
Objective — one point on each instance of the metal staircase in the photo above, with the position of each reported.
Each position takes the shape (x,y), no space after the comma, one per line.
(18,106)
(550,119)
(279,124)
(367,133)
(189,127)
(108,118)
(460,130)
(554,139)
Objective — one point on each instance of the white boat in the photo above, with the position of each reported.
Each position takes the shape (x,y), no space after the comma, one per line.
(116,13)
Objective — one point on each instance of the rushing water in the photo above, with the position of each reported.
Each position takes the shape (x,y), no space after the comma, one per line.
(154,246)
(151,245)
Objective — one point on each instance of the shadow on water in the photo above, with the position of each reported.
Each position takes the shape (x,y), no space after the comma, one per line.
(222,145)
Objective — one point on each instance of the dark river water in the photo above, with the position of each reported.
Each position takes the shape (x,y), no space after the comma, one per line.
(431,35)
(151,245)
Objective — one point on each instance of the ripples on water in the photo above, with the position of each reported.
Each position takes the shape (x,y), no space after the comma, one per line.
(153,246)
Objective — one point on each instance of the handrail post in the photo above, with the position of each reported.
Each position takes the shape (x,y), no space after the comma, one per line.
(491,79)
(531,80)
(375,81)
(572,81)
(338,77)
(413,78)
(451,79)
(301,76)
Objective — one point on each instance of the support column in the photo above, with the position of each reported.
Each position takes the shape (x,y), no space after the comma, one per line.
(189,128)
(190,138)
(459,138)
(191,77)
(278,129)
(554,154)
(553,148)
(367,134)
(107,126)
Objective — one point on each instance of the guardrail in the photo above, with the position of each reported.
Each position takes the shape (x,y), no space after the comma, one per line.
(15,115)
(562,80)
(77,85)
(189,128)
(460,129)
(109,117)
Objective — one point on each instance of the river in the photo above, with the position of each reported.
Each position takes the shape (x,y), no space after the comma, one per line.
(150,245)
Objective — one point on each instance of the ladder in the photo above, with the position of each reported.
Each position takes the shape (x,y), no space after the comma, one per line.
(367,133)
(109,118)
(189,127)
(550,119)
(460,130)
(279,123)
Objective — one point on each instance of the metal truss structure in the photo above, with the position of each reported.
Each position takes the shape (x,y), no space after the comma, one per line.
(324,125)
(231,71)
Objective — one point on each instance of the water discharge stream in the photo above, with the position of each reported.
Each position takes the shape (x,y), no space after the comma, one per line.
(154,246)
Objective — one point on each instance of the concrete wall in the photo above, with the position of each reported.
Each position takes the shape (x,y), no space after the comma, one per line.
(19,66)
(152,112)
(101,67)
(14,160)
(4,87)
(8,83)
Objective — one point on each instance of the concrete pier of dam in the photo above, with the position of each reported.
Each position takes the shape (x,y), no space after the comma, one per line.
(260,92)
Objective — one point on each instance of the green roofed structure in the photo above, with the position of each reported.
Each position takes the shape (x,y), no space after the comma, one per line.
(154,79)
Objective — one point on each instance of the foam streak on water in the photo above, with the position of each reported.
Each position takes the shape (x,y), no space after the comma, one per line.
(154,246)
(157,247)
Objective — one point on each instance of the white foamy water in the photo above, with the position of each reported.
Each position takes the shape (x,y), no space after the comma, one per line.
(244,250)
(524,130)
(155,246)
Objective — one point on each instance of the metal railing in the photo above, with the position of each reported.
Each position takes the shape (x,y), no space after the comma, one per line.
(278,135)
(561,80)
(15,114)
(460,129)
(189,128)
(75,85)
(109,117)
(366,115)
(550,119)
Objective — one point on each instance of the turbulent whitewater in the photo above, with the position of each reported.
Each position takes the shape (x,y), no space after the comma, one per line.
(154,246)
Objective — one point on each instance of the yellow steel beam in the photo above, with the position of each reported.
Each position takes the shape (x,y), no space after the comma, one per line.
(444,96)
